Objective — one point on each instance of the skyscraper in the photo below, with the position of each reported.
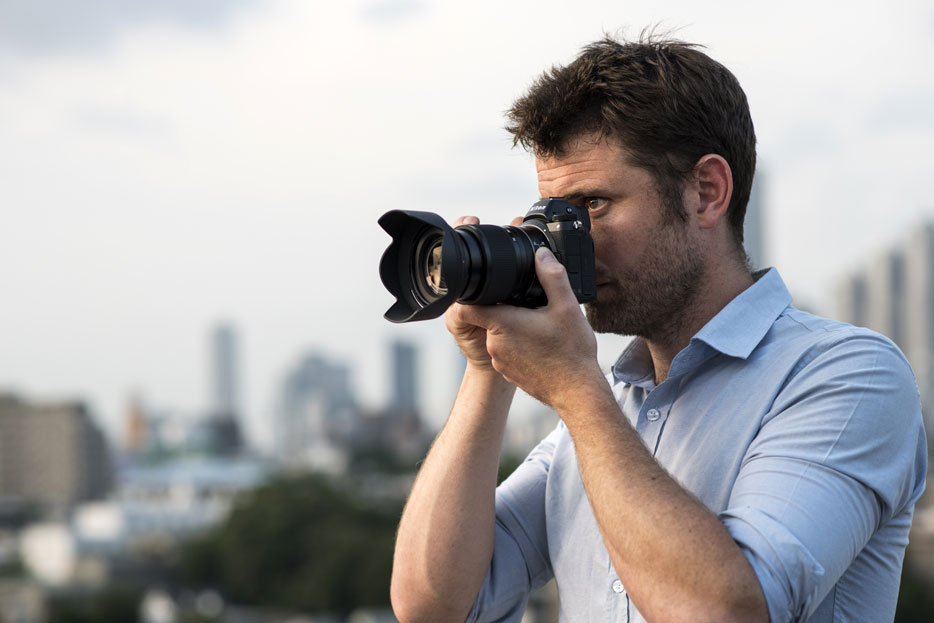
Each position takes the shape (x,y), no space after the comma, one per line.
(404,381)
(400,425)
(887,304)
(852,300)
(919,307)
(754,225)
(317,414)
(222,431)
(225,381)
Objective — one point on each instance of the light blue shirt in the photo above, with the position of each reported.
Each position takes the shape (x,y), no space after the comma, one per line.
(803,435)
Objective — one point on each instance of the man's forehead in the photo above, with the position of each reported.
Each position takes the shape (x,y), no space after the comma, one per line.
(584,159)
(582,148)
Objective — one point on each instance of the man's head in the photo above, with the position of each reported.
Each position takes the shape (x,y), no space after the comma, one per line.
(666,102)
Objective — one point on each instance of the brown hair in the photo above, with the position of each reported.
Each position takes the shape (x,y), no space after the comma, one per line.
(665,101)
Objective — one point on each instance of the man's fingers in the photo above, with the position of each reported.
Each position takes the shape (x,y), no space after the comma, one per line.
(489,317)
(473,220)
(466,220)
(474,315)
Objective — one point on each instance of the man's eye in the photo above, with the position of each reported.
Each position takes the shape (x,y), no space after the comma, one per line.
(595,203)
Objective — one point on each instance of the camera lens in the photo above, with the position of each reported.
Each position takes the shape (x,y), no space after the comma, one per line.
(430,265)
(428,277)
(501,263)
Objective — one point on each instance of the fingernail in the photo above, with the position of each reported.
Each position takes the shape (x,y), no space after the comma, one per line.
(544,255)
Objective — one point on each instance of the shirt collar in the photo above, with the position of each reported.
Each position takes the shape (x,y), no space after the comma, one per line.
(635,365)
(735,331)
(741,325)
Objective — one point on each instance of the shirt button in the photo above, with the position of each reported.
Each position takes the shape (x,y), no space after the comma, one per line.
(617,587)
(653,414)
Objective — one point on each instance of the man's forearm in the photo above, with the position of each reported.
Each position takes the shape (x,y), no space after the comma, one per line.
(445,539)
(674,556)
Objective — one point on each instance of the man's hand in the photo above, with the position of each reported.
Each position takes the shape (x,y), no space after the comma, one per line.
(550,352)
(470,338)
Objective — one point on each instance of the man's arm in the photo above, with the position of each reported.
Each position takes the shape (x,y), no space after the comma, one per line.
(676,559)
(445,541)
(827,486)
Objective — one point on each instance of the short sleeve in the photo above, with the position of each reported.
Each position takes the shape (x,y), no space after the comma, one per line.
(841,452)
(520,547)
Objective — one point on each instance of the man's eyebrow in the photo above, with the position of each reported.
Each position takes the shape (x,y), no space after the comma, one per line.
(580,195)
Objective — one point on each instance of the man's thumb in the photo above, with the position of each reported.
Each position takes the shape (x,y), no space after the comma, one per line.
(552,275)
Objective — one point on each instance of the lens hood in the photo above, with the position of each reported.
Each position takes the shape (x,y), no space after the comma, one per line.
(400,272)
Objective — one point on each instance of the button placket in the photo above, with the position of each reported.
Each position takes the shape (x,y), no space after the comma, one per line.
(653,422)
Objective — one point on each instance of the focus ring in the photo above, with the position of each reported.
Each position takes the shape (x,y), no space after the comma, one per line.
(500,261)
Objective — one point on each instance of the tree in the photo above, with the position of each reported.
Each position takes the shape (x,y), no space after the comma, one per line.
(298,543)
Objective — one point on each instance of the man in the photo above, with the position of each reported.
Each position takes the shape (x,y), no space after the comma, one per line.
(743,461)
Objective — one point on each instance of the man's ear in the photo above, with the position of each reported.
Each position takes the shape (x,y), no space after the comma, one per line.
(714,186)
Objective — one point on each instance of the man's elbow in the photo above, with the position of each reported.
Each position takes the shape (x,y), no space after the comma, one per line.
(411,604)
(746,608)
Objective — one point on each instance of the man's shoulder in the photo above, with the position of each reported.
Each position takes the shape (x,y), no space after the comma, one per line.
(810,336)
(805,355)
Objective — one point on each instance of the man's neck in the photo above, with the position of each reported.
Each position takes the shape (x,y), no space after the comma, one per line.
(715,293)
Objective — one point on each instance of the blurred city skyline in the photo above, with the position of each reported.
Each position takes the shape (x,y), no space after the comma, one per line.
(169,167)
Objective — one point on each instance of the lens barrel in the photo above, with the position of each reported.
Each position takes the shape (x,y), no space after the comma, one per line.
(430,265)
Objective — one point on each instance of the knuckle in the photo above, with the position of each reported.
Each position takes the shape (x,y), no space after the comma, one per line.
(556,268)
(455,318)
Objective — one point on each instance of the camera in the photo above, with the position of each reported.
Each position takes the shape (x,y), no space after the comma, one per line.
(429,265)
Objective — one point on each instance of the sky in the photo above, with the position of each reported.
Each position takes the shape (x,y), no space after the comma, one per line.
(167,166)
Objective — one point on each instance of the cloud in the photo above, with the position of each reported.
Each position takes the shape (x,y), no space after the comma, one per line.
(118,121)
(49,27)
(907,109)
(392,10)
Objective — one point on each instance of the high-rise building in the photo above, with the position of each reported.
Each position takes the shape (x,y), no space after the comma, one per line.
(317,413)
(399,425)
(137,436)
(919,307)
(53,454)
(222,431)
(852,300)
(404,380)
(225,380)
(754,225)
(886,304)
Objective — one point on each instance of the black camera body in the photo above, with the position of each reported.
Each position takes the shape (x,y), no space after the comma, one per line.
(429,265)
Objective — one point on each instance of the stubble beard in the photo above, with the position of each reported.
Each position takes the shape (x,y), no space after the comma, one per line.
(654,299)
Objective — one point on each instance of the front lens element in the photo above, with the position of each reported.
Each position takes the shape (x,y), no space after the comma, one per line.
(427,275)
(433,273)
